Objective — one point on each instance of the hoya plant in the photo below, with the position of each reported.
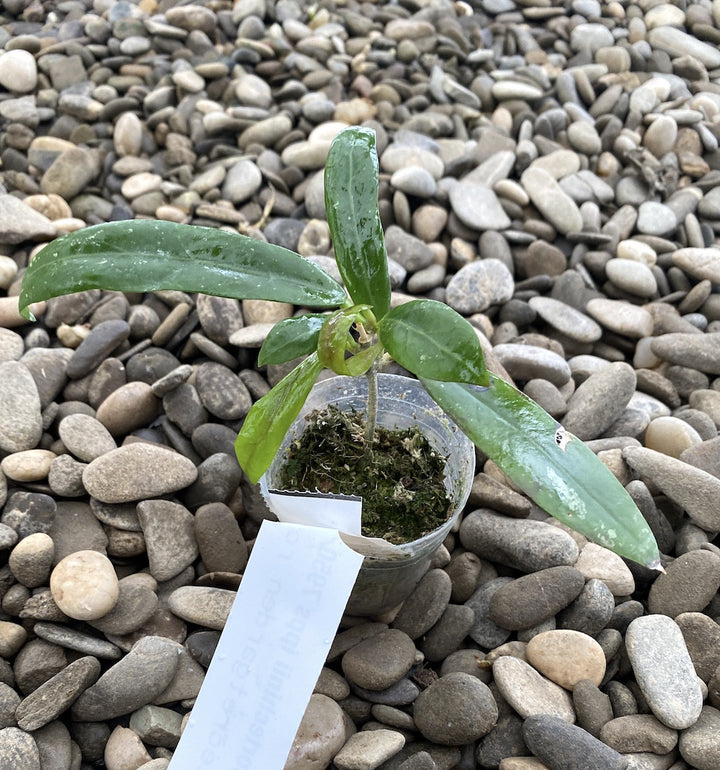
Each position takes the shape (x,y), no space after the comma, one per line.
(348,329)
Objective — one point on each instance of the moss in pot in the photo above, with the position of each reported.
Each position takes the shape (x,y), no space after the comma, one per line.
(353,330)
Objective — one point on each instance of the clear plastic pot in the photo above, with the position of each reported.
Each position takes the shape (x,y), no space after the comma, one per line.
(386,581)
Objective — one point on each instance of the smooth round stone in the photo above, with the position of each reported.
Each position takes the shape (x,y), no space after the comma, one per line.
(600,400)
(202,605)
(124,749)
(414,180)
(700,743)
(222,392)
(140,184)
(398,156)
(636,250)
(84,585)
(523,544)
(85,436)
(621,317)
(702,638)
(584,138)
(53,697)
(656,219)
(660,136)
(253,91)
(28,466)
(380,661)
(478,207)
(632,276)
(20,409)
(638,733)
(591,611)
(664,671)
(528,362)
(551,200)
(31,559)
(598,563)
(566,657)
(132,682)
(407,250)
(558,744)
(701,263)
(101,341)
(696,351)
(566,319)
(447,635)
(220,541)
(679,43)
(136,604)
(18,750)
(504,90)
(320,736)
(242,181)
(169,531)
(137,471)
(479,285)
(367,749)
(18,71)
(693,489)
(671,436)
(455,710)
(425,605)
(12,638)
(128,135)
(688,585)
(72,639)
(532,599)
(530,693)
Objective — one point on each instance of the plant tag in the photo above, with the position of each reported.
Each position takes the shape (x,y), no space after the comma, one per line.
(341,512)
(275,642)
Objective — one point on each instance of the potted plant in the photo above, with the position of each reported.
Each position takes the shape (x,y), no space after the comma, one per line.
(352,330)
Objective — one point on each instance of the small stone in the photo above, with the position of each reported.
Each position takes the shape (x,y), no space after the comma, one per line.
(702,639)
(242,181)
(455,710)
(56,695)
(380,661)
(368,750)
(703,264)
(478,207)
(425,605)
(528,362)
(202,605)
(621,317)
(84,585)
(31,559)
(20,416)
(597,562)
(631,276)
(600,400)
(157,726)
(664,671)
(638,733)
(528,692)
(532,599)
(220,541)
(135,606)
(566,319)
(566,657)
(561,745)
(522,544)
(29,465)
(137,471)
(222,392)
(12,638)
(18,750)
(700,743)
(130,683)
(696,351)
(446,636)
(479,285)
(671,436)
(86,437)
(693,489)
(169,536)
(124,750)
(129,407)
(688,584)
(656,219)
(319,737)
(18,71)
(551,200)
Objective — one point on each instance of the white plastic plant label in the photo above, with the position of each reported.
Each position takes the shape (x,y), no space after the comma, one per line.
(275,642)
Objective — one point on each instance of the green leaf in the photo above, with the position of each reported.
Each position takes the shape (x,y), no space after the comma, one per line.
(431,340)
(291,338)
(351,203)
(149,255)
(270,418)
(334,341)
(552,467)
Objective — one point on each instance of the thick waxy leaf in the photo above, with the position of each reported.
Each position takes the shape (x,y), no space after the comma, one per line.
(270,418)
(551,466)
(291,338)
(431,340)
(147,255)
(351,203)
(334,341)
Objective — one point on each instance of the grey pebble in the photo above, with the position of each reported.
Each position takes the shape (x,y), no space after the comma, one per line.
(566,319)
(56,695)
(130,683)
(18,749)
(638,733)
(448,633)
(20,415)
(530,693)
(700,743)
(526,545)
(202,605)
(688,585)
(591,611)
(219,538)
(425,605)
(478,286)
(528,362)
(696,351)
(562,746)
(702,639)
(455,710)
(485,631)
(74,639)
(477,206)
(86,437)
(101,341)
(532,599)
(664,671)
(222,393)
(407,250)
(169,537)
(380,661)
(136,604)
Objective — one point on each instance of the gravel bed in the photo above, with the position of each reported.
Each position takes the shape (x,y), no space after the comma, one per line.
(548,169)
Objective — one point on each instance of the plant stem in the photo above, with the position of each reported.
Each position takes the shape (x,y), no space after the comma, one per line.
(372,406)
